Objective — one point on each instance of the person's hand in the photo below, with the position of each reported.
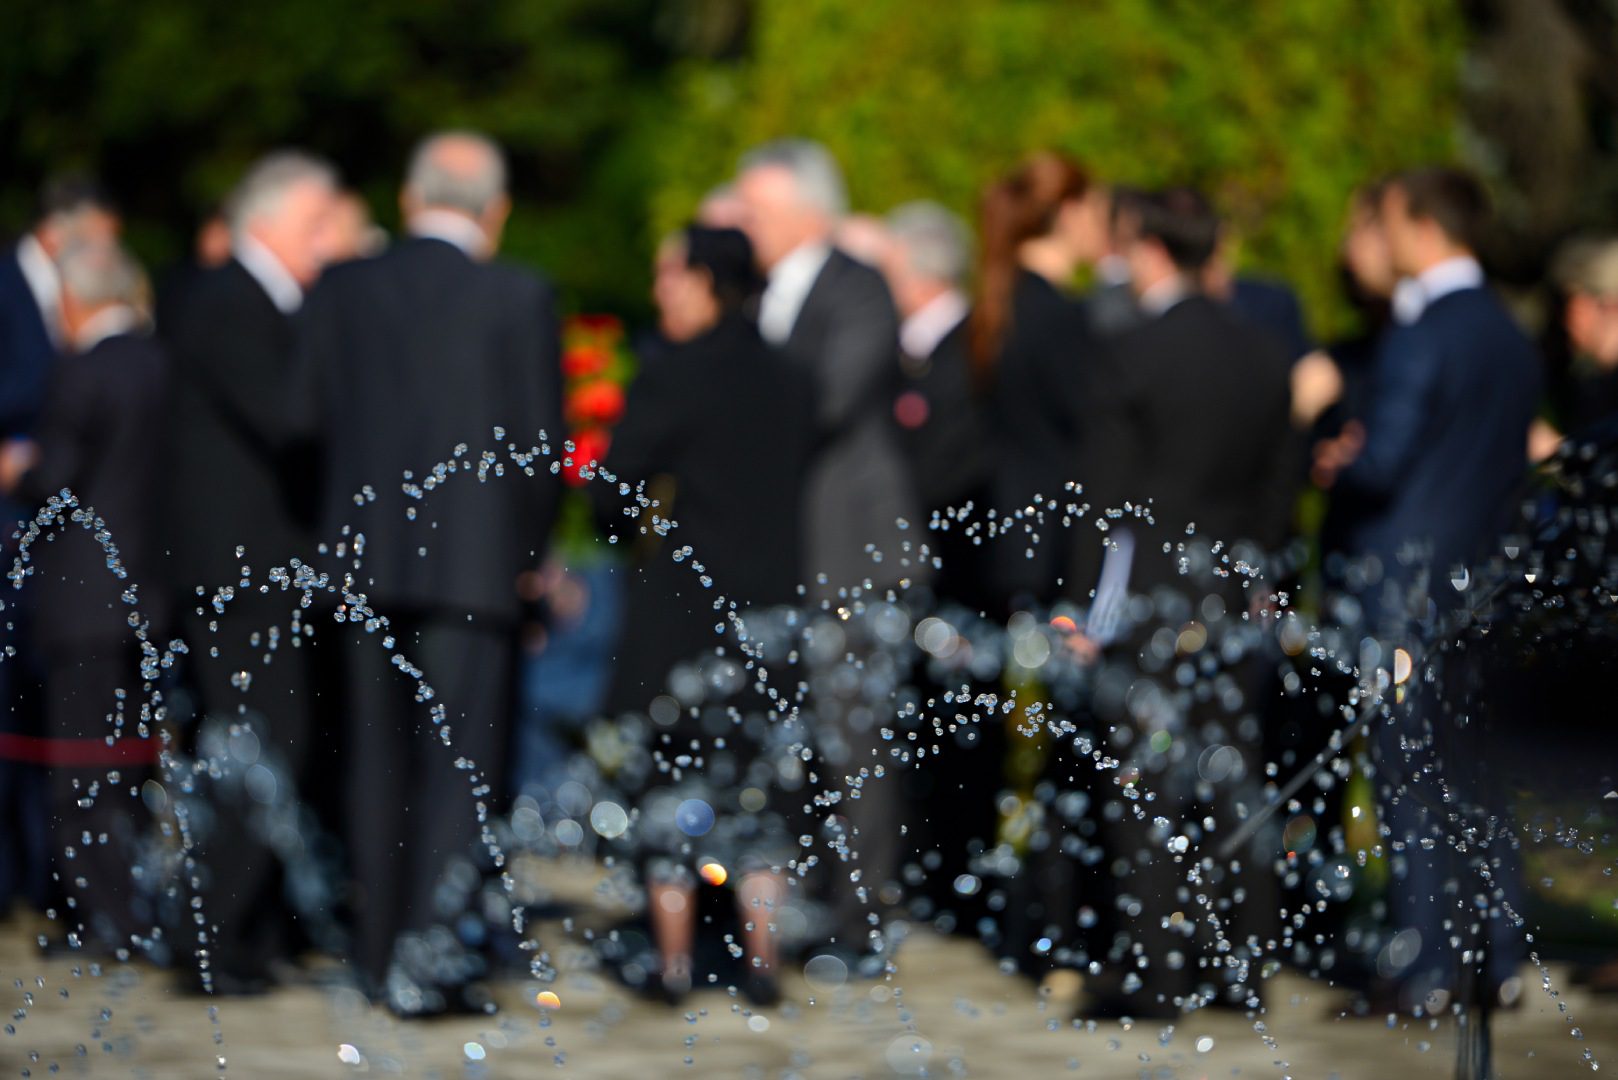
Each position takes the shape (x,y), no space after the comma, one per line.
(1317,384)
(1332,456)
(17,456)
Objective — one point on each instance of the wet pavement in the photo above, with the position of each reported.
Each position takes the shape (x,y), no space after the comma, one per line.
(948,1012)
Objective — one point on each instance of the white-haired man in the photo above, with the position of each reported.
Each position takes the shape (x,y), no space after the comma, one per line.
(230,501)
(834,315)
(405,356)
(926,261)
(97,436)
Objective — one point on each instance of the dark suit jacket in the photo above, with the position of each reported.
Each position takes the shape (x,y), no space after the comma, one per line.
(1273,306)
(847,336)
(25,349)
(228,477)
(1035,419)
(402,358)
(730,423)
(1190,412)
(945,438)
(99,434)
(1446,430)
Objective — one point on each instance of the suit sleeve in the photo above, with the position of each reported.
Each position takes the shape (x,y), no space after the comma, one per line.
(1111,452)
(66,428)
(644,443)
(861,360)
(252,390)
(1405,377)
(535,378)
(312,362)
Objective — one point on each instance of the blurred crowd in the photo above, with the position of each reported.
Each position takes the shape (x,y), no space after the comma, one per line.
(328,462)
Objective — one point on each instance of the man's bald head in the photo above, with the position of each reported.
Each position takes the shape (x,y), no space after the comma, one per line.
(462,172)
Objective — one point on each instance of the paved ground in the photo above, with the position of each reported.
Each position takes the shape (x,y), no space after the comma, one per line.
(949,1012)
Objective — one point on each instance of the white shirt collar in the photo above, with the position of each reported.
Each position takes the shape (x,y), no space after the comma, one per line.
(452,228)
(1159,298)
(789,285)
(108,322)
(39,271)
(274,278)
(1413,296)
(924,328)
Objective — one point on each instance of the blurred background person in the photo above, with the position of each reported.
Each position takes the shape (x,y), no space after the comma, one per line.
(97,434)
(1583,376)
(863,236)
(1029,345)
(1109,306)
(445,345)
(234,495)
(834,317)
(928,262)
(70,209)
(1443,445)
(352,233)
(725,425)
(1187,413)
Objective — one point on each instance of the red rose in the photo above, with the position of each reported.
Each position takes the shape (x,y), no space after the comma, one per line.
(589,445)
(583,361)
(598,402)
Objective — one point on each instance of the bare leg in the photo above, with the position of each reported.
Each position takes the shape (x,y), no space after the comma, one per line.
(759,896)
(674,926)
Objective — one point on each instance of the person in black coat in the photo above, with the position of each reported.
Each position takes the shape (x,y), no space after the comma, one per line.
(412,366)
(1030,345)
(97,437)
(727,424)
(1188,416)
(230,511)
(1443,445)
(72,209)
(833,315)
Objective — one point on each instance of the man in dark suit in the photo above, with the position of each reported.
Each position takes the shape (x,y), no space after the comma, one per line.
(96,436)
(926,261)
(404,358)
(1189,425)
(1443,444)
(72,209)
(230,513)
(835,317)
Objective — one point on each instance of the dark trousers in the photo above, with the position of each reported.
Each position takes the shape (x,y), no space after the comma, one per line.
(257,739)
(409,809)
(96,815)
(24,828)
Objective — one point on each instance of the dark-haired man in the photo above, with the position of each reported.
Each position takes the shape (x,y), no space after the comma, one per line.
(1453,390)
(1190,420)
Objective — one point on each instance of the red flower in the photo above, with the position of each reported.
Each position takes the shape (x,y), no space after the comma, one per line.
(584,360)
(589,445)
(597,402)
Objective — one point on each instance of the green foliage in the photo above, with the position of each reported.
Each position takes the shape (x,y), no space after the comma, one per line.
(169,101)
(1277,107)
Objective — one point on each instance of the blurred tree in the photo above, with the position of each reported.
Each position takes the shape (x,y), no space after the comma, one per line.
(1277,107)
(169,101)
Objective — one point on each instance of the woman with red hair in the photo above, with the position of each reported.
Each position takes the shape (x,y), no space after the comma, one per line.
(1036,227)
